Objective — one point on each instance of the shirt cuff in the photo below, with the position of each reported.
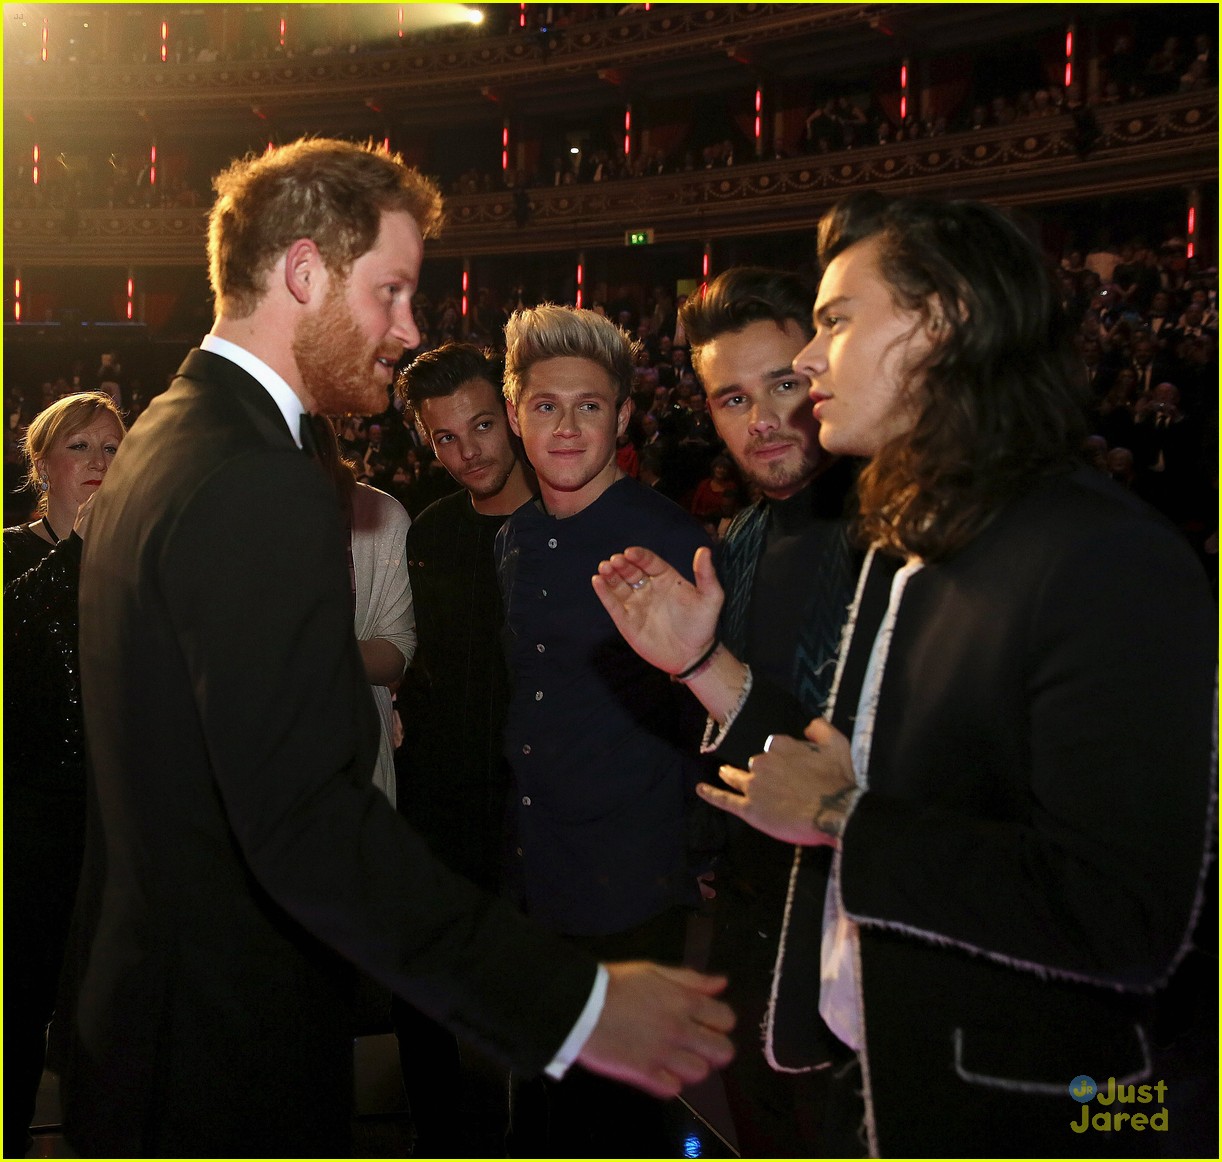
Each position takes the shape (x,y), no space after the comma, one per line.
(575,1042)
(714,732)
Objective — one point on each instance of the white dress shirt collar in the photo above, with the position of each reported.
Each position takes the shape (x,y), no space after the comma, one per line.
(286,399)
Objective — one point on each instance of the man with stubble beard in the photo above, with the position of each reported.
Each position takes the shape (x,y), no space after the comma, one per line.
(788,571)
(249,862)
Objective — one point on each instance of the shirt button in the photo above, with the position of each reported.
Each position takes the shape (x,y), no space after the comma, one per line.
(540,647)
(519,850)
(542,592)
(525,800)
(538,695)
(551,544)
(526,749)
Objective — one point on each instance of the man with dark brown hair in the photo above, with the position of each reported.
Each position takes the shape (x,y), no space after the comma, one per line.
(453,779)
(1020,829)
(788,570)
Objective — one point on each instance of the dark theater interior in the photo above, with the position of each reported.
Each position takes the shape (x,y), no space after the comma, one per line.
(616,159)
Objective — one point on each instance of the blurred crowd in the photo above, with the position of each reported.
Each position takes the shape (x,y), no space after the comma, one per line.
(1147,321)
(856,115)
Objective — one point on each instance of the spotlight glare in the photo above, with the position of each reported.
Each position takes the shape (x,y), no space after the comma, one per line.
(419,17)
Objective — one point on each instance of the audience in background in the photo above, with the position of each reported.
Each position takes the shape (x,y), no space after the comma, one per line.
(859,112)
(1150,326)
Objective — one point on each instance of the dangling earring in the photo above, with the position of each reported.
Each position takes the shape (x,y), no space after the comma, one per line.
(44,484)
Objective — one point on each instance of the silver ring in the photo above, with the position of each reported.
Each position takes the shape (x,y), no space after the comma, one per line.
(638,584)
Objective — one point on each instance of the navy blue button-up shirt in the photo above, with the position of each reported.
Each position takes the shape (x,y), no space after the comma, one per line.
(594,735)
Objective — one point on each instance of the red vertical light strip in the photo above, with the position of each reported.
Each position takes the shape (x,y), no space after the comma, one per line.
(505,146)
(628,131)
(1069,56)
(44,38)
(400,23)
(386,143)
(34,172)
(283,30)
(580,277)
(465,284)
(704,265)
(521,15)
(903,90)
(165,42)
(1192,232)
(17,300)
(152,165)
(131,292)
(759,106)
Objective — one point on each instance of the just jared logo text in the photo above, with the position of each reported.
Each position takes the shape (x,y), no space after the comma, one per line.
(1113,1095)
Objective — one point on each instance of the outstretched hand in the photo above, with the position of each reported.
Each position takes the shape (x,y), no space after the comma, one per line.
(660,1028)
(668,621)
(798,792)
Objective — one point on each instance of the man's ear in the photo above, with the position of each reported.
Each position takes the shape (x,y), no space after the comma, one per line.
(937,326)
(625,414)
(304,270)
(511,414)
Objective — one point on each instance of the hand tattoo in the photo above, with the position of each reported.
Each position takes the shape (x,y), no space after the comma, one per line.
(833,810)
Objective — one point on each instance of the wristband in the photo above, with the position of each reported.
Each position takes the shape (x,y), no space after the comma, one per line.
(698,667)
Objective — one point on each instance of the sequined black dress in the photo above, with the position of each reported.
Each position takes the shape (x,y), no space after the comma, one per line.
(44,803)
(23,549)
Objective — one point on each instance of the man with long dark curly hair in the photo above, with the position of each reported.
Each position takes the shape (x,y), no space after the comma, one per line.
(1016,766)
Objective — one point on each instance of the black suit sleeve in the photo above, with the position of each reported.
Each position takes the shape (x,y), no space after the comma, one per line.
(287,720)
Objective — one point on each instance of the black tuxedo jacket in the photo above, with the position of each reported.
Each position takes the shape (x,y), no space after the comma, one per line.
(1025,864)
(248,858)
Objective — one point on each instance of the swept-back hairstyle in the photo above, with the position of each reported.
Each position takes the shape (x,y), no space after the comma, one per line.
(58,421)
(332,192)
(997,398)
(548,332)
(441,372)
(743,295)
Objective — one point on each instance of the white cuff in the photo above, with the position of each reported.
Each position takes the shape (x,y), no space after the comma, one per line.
(575,1042)
(714,736)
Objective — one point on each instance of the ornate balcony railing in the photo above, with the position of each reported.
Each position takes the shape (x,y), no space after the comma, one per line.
(413,73)
(1143,145)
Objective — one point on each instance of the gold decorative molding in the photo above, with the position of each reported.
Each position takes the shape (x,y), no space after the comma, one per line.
(1143,145)
(415,70)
